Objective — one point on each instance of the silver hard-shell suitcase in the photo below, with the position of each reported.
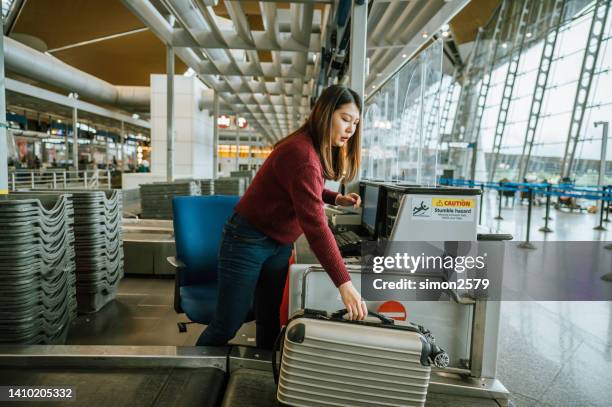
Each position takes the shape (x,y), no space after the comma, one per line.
(327,360)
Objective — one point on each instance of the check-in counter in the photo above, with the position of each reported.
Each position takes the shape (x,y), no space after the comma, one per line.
(146,245)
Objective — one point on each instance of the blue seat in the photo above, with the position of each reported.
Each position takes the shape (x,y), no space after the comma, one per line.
(198,226)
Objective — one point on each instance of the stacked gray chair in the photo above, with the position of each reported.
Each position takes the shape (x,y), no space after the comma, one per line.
(37,269)
(249,174)
(156,198)
(99,246)
(207,186)
(230,186)
(131,201)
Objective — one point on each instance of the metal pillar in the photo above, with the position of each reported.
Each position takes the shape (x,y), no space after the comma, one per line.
(548,50)
(215,135)
(589,62)
(75,134)
(359,31)
(122,147)
(237,144)
(3,125)
(260,143)
(250,160)
(106,160)
(513,65)
(486,82)
(169,113)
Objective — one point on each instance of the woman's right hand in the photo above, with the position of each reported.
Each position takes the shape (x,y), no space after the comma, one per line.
(352,301)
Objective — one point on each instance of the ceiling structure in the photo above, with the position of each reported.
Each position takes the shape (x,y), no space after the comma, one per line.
(101,38)
(261,61)
(262,56)
(397,30)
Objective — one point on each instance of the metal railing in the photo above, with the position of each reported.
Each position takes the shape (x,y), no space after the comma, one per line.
(59,179)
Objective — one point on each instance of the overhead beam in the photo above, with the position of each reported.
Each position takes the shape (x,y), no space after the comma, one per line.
(169,113)
(56,98)
(359,35)
(265,69)
(304,1)
(99,39)
(261,41)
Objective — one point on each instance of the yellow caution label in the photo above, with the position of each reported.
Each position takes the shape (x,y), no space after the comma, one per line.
(453,203)
(3,191)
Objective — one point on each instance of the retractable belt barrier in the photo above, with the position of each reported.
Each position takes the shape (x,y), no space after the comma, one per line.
(589,192)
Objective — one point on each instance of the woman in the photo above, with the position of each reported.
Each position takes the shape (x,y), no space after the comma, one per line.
(285,199)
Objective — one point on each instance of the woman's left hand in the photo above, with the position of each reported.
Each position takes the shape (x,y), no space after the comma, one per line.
(351,199)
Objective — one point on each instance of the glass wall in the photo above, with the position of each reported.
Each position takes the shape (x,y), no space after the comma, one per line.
(410,133)
(558,103)
(401,123)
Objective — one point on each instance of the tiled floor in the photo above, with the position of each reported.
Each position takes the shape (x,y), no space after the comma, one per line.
(566,225)
(557,353)
(554,353)
(142,314)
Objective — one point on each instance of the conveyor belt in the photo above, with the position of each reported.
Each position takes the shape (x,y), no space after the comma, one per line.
(118,376)
(256,388)
(118,387)
(250,388)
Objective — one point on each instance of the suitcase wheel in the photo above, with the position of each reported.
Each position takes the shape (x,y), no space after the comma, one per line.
(441,360)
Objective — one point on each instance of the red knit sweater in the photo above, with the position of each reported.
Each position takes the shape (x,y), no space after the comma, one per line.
(286,198)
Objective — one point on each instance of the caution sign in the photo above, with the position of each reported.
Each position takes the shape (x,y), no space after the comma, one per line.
(443,208)
(393,309)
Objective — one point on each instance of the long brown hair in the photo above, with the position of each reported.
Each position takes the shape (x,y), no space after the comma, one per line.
(337,162)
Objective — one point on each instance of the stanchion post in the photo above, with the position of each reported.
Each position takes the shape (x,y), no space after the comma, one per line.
(601,212)
(482,198)
(548,190)
(545,228)
(607,194)
(499,217)
(526,244)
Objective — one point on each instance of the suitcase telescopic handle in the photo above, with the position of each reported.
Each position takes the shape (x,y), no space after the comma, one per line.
(383,319)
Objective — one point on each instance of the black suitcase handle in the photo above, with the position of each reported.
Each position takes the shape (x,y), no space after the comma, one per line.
(383,319)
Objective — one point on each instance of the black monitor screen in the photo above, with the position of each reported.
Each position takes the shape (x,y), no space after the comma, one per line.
(370,203)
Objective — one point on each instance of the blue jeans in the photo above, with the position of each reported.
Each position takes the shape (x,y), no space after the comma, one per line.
(252,269)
